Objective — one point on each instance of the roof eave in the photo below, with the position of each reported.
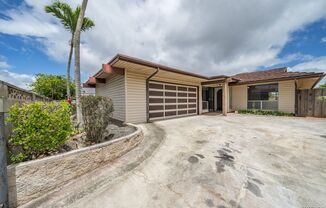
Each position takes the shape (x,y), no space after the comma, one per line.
(316,75)
(154,65)
(318,80)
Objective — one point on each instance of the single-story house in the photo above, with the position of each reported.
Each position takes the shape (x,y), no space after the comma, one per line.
(144,91)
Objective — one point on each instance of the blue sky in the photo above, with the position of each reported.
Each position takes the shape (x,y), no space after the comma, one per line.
(32,41)
(310,41)
(26,55)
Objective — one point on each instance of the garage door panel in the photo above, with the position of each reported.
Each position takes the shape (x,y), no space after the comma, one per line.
(182,106)
(182,100)
(182,94)
(156,115)
(192,100)
(168,100)
(156,107)
(170,113)
(155,93)
(192,105)
(155,100)
(155,86)
(170,87)
(182,89)
(170,94)
(191,111)
(183,112)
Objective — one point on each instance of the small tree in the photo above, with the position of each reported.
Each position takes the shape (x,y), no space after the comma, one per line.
(68,17)
(97,112)
(76,45)
(38,128)
(52,86)
(322,85)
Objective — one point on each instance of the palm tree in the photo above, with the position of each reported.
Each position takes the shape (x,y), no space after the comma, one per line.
(77,59)
(68,18)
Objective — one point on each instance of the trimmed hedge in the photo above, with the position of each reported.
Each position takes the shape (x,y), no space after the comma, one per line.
(262,112)
(37,129)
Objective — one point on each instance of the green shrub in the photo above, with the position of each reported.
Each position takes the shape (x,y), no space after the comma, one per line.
(97,112)
(263,112)
(38,128)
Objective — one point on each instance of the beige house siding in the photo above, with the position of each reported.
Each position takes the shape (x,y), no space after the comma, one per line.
(239,97)
(286,101)
(200,99)
(136,97)
(114,88)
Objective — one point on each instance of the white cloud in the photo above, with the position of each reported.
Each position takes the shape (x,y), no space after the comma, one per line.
(19,80)
(4,65)
(323,40)
(215,37)
(314,65)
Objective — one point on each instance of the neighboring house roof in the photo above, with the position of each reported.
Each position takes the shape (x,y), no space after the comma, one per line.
(277,74)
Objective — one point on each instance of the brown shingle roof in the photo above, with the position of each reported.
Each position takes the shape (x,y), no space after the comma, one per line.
(277,74)
(272,75)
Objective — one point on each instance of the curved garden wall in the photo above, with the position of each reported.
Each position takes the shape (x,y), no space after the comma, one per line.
(32,179)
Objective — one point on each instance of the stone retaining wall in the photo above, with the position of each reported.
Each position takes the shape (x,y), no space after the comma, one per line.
(32,179)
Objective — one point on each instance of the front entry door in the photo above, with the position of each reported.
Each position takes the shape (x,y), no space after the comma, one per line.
(219,105)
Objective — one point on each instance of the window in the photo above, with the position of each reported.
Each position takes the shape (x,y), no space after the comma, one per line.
(263,97)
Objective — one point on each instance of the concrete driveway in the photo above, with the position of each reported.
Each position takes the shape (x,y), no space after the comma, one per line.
(234,161)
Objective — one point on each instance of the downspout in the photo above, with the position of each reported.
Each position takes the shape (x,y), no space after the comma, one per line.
(147,93)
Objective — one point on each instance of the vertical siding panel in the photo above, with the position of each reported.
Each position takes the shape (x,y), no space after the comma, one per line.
(114,88)
(239,97)
(306,95)
(300,110)
(136,93)
(200,99)
(317,103)
(126,93)
(310,102)
(323,107)
(286,101)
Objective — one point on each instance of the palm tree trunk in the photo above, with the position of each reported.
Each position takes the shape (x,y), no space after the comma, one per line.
(69,64)
(77,59)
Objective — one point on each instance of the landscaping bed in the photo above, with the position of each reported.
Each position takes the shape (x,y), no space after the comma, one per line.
(114,130)
(37,178)
(43,129)
(265,113)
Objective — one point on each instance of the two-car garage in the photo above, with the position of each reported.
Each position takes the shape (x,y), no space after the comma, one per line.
(168,100)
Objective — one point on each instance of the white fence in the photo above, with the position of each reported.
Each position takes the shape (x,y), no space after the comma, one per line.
(263,105)
(205,106)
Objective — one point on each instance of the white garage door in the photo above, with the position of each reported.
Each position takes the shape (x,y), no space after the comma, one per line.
(171,100)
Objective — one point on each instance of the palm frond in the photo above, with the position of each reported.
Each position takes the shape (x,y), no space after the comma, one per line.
(87,24)
(67,16)
(63,12)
